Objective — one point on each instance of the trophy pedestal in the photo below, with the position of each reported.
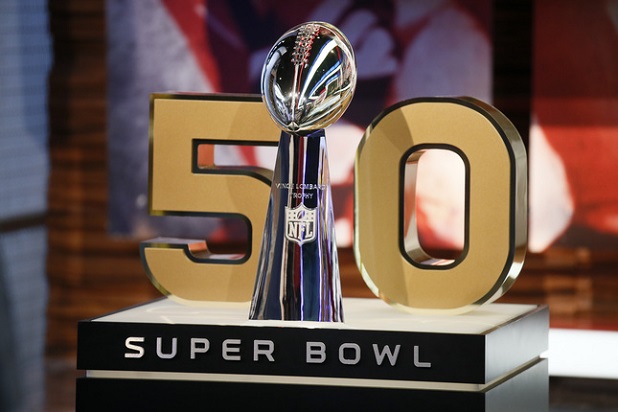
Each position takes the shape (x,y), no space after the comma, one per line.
(165,356)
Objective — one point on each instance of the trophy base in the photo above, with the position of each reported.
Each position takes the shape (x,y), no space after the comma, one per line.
(179,358)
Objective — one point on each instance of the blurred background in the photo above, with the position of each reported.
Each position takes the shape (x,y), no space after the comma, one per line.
(75,80)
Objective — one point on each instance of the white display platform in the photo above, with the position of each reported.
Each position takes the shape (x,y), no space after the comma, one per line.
(488,358)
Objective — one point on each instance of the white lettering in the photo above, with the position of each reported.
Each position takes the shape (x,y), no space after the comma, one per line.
(386,351)
(316,352)
(417,362)
(267,351)
(231,350)
(227,349)
(129,344)
(349,361)
(203,348)
(170,355)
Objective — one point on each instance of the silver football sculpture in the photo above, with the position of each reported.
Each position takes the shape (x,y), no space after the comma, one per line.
(309,78)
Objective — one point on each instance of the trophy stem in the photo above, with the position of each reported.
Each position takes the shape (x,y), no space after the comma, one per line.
(298,270)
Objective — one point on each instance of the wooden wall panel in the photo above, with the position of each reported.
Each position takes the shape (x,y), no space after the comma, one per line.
(89,272)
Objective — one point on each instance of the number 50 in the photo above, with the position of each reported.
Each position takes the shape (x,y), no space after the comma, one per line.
(495,197)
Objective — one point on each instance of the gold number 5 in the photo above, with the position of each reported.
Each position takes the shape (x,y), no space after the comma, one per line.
(179,125)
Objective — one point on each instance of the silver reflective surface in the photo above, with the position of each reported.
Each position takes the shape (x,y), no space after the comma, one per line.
(298,270)
(309,77)
(307,83)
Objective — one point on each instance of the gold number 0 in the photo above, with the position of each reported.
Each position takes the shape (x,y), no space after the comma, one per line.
(496,199)
(177,186)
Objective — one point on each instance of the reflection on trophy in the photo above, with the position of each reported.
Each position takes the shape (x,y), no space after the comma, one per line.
(308,81)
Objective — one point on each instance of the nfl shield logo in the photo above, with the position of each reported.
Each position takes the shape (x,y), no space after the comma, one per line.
(300,224)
